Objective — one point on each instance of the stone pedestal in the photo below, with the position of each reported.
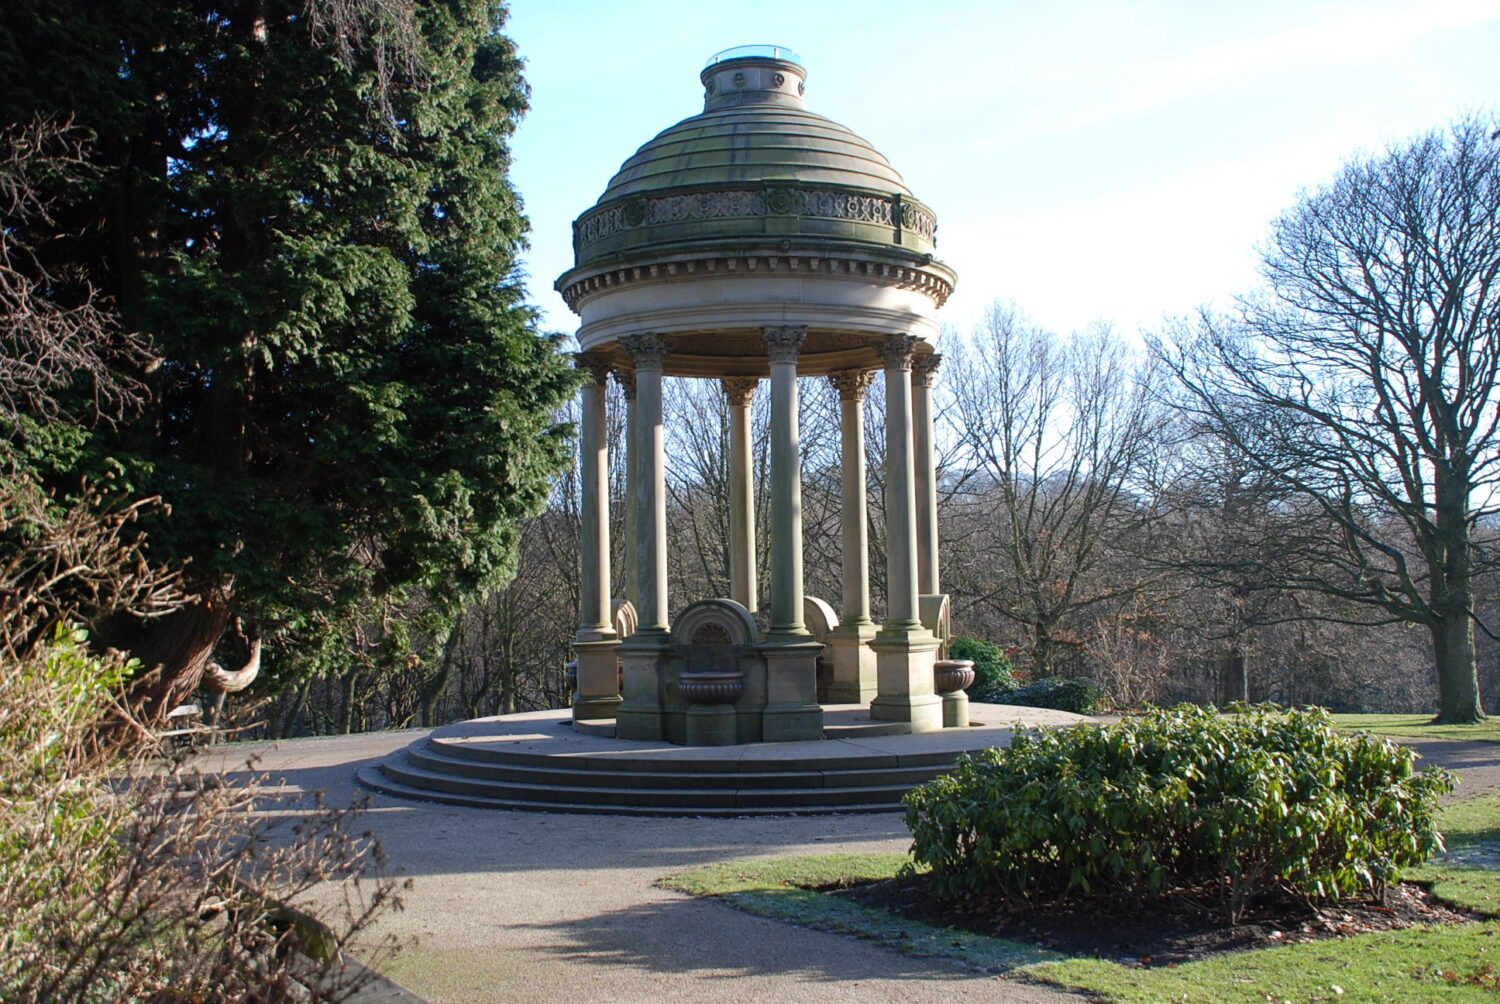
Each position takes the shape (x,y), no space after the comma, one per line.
(853,663)
(956,710)
(597,694)
(643,657)
(903,672)
(792,712)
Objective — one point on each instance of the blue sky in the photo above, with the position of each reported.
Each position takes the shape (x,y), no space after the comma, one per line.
(1089,160)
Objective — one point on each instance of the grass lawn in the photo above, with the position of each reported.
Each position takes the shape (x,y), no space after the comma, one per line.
(1443,965)
(1418,727)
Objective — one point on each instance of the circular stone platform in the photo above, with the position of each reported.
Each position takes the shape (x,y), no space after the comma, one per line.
(537,761)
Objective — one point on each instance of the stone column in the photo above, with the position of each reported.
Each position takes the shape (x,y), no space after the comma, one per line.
(645,654)
(904,650)
(626,380)
(597,692)
(923,369)
(849,649)
(743,587)
(791,655)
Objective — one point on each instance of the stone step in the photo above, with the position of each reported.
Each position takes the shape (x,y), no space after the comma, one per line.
(376,780)
(399,767)
(678,760)
(562,772)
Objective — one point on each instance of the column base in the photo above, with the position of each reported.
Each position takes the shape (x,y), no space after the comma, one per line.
(598,693)
(643,659)
(853,663)
(792,712)
(903,669)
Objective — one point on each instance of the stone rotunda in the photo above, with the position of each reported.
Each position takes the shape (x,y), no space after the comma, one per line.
(758,241)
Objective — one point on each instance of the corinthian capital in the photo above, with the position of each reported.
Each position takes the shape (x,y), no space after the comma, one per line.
(851,384)
(648,351)
(626,380)
(595,363)
(924,368)
(739,390)
(783,342)
(896,350)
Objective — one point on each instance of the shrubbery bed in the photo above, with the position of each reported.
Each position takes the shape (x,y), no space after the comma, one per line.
(1229,807)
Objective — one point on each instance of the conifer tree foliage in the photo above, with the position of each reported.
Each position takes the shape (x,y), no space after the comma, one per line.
(349,399)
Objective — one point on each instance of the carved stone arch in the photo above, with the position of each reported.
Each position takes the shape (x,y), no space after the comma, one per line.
(624,618)
(819,617)
(737,623)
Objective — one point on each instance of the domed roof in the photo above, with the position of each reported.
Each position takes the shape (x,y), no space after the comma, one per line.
(754,167)
(754,143)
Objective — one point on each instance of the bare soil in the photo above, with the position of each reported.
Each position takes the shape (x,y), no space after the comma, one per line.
(1169,931)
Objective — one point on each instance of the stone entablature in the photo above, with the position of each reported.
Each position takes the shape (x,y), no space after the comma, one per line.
(787,209)
(933,280)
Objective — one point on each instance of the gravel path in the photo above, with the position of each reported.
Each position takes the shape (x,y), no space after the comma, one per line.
(534,907)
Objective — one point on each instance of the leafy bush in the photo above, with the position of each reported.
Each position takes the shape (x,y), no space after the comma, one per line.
(1082,697)
(1232,808)
(992,670)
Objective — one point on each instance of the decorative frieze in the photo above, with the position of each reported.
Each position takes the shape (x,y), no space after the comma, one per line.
(896,211)
(851,384)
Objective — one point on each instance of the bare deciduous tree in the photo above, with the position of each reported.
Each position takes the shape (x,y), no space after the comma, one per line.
(1051,433)
(1377,352)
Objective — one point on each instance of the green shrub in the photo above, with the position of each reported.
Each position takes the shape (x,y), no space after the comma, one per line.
(1082,697)
(992,670)
(1232,808)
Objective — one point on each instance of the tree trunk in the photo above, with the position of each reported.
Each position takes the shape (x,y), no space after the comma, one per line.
(1234,680)
(178,650)
(1457,671)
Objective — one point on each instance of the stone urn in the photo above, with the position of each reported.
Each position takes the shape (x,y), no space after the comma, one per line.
(949,675)
(710,688)
(949,678)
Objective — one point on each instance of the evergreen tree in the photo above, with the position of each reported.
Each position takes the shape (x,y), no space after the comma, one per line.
(349,399)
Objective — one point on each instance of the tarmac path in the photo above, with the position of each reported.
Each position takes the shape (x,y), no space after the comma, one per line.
(539,907)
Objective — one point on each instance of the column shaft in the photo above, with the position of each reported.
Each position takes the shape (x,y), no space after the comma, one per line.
(626,379)
(783,343)
(851,386)
(650,489)
(923,438)
(900,489)
(743,587)
(593,550)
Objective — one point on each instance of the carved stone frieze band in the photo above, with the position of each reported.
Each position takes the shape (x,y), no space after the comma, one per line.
(851,384)
(790,199)
(924,368)
(648,351)
(784,341)
(739,390)
(896,350)
(595,363)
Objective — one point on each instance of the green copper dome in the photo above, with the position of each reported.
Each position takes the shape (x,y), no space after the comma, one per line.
(755,167)
(754,143)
